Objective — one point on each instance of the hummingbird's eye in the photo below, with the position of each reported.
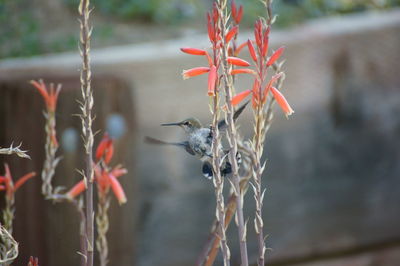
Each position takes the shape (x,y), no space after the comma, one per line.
(186,123)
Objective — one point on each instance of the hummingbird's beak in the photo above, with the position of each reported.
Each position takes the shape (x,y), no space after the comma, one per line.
(171,124)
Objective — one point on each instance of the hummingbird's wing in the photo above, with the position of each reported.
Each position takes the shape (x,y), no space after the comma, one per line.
(222,124)
(183,144)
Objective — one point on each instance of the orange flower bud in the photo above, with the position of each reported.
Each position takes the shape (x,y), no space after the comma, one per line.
(212,78)
(105,148)
(238,98)
(194,72)
(231,34)
(237,61)
(193,51)
(117,189)
(275,56)
(50,96)
(238,15)
(23,179)
(280,99)
(76,190)
(265,45)
(242,71)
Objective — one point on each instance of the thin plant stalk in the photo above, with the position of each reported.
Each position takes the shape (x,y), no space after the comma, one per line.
(231,133)
(8,217)
(11,253)
(102,224)
(86,117)
(258,144)
(218,179)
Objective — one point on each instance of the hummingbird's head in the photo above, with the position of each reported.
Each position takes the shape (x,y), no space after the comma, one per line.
(188,125)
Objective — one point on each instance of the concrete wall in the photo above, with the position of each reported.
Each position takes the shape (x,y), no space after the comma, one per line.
(333,173)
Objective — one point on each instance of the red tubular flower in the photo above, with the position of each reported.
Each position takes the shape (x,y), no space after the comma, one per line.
(212,78)
(251,50)
(231,34)
(76,190)
(193,51)
(238,98)
(104,179)
(258,33)
(237,61)
(283,103)
(239,15)
(33,261)
(117,189)
(8,184)
(50,96)
(105,149)
(233,8)
(23,180)
(242,71)
(275,56)
(236,14)
(194,72)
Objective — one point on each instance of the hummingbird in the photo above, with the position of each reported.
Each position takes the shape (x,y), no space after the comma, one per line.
(199,142)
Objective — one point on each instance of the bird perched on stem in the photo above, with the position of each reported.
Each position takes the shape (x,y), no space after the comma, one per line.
(199,141)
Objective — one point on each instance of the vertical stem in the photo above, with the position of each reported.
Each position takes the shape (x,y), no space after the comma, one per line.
(86,117)
(102,228)
(8,217)
(219,182)
(259,137)
(222,4)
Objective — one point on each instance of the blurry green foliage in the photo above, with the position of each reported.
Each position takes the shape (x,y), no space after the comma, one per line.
(18,30)
(291,12)
(22,35)
(160,11)
(173,11)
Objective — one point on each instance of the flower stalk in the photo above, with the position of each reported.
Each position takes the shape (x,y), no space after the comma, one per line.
(231,131)
(86,117)
(213,91)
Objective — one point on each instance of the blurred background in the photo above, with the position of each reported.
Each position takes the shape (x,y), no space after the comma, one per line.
(333,172)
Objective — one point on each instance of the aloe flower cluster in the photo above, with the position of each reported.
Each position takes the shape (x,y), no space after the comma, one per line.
(104,176)
(215,35)
(261,87)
